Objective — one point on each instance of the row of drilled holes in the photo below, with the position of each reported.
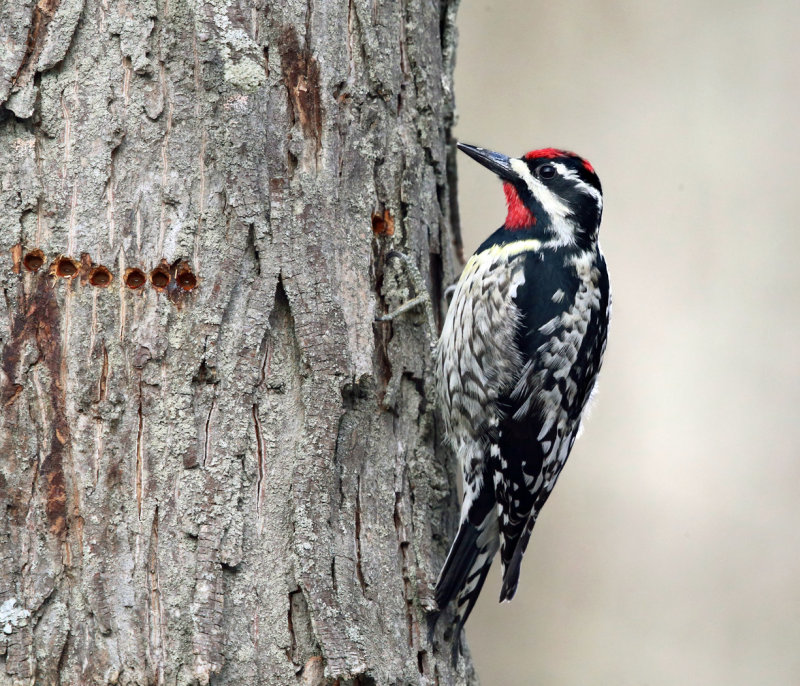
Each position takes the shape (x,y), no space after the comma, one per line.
(100,276)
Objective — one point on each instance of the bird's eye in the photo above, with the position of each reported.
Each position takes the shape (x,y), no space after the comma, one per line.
(545,171)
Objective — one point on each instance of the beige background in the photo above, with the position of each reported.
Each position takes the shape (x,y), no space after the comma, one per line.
(670,551)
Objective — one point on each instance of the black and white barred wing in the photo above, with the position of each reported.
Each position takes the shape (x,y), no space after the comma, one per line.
(561,337)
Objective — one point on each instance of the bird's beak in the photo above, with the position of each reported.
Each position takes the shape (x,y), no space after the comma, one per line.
(496,162)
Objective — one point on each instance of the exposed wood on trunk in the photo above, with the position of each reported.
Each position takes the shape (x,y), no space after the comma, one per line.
(216,466)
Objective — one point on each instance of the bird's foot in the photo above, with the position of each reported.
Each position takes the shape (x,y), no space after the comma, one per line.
(422,299)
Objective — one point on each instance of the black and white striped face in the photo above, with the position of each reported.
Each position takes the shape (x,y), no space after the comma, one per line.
(554,189)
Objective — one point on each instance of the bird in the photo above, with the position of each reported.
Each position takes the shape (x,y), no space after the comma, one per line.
(517,362)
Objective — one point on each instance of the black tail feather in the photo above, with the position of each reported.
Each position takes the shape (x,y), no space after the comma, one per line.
(511,576)
(470,556)
(466,603)
(459,561)
(511,572)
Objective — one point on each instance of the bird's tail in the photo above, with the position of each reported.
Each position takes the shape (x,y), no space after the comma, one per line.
(511,573)
(468,561)
(511,570)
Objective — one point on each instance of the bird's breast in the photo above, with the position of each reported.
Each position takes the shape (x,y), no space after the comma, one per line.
(477,356)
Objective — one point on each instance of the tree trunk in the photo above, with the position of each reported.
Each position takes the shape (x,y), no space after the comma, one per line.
(215,466)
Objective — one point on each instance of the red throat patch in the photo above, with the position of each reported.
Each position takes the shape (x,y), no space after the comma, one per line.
(519,216)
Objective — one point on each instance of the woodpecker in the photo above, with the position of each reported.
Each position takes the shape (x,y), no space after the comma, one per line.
(517,361)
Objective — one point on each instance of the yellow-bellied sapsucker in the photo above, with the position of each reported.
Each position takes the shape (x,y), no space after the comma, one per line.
(517,361)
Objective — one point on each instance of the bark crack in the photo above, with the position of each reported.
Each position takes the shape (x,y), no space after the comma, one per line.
(359,570)
(139,453)
(42,15)
(301,74)
(162,223)
(403,544)
(304,645)
(260,458)
(156,633)
(207,433)
(102,384)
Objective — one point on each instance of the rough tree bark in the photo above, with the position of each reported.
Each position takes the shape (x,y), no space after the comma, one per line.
(215,466)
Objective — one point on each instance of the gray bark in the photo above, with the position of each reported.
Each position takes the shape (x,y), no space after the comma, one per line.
(229,474)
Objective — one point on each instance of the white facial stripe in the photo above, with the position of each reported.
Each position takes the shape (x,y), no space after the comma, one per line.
(549,201)
(581,185)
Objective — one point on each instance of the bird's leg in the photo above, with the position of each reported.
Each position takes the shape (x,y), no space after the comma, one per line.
(422,298)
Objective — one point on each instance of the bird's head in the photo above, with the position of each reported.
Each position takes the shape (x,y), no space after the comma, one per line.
(555,191)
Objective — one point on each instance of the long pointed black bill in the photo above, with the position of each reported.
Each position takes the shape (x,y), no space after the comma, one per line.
(498,163)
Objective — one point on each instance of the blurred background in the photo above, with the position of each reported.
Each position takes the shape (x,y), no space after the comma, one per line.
(670,550)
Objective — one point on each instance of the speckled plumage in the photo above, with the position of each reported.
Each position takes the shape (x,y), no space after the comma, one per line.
(517,361)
